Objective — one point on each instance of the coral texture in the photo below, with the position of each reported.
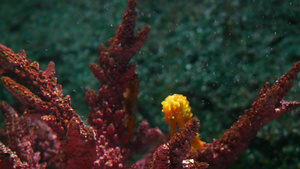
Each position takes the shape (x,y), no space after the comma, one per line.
(224,151)
(50,133)
(46,132)
(268,106)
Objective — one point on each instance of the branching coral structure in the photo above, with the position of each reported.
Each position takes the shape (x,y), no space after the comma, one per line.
(46,132)
(50,134)
(224,151)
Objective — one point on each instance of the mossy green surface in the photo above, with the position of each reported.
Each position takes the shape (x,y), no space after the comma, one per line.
(217,53)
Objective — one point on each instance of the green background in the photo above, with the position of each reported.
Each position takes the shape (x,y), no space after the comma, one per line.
(217,53)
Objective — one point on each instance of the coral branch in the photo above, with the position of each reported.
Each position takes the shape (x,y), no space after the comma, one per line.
(113,106)
(14,161)
(36,89)
(174,153)
(145,136)
(112,118)
(115,72)
(30,139)
(50,134)
(269,105)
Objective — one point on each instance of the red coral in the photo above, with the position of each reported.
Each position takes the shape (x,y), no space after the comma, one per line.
(36,89)
(224,151)
(269,105)
(43,99)
(174,153)
(51,134)
(146,134)
(105,143)
(117,78)
(29,139)
(115,74)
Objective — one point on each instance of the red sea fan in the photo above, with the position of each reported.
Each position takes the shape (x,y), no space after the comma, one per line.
(224,151)
(49,120)
(50,134)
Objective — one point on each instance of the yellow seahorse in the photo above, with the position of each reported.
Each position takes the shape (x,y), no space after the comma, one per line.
(177,112)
